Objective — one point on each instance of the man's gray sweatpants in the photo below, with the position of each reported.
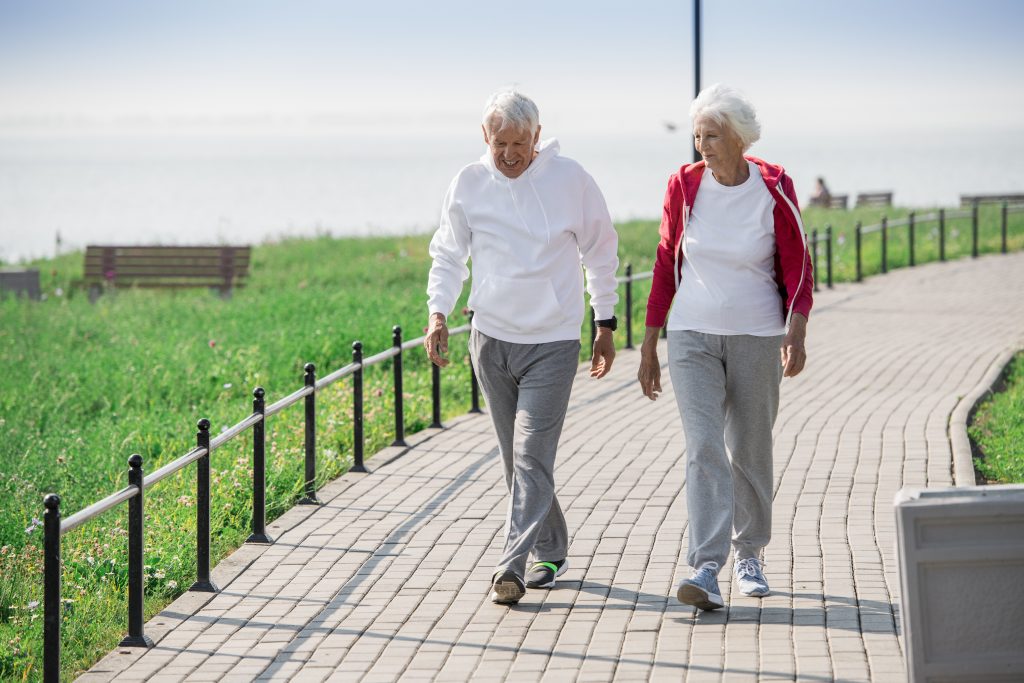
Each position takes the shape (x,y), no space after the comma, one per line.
(727,388)
(527,389)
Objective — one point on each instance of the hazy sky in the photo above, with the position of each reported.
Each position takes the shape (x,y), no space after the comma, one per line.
(822,68)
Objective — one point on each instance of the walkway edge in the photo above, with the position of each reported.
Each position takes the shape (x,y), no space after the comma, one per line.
(963,456)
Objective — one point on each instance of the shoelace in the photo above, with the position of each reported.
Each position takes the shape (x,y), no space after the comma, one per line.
(748,567)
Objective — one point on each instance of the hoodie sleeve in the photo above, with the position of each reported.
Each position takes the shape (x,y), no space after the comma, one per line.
(449,249)
(663,283)
(795,259)
(599,248)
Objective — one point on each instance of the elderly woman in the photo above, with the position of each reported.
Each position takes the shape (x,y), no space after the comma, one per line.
(733,278)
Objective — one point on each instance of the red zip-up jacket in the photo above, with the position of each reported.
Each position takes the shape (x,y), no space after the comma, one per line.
(792,258)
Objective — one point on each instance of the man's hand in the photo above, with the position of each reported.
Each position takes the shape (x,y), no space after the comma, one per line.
(649,374)
(604,353)
(793,353)
(436,341)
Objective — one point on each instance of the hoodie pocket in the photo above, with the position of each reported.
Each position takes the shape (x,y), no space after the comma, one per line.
(523,306)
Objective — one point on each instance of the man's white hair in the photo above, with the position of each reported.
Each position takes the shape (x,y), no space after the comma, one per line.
(513,108)
(728,107)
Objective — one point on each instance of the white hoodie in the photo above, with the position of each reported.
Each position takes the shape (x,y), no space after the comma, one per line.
(527,237)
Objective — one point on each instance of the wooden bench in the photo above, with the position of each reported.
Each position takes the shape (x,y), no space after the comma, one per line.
(220,268)
(838,201)
(874,199)
(971,199)
(19,281)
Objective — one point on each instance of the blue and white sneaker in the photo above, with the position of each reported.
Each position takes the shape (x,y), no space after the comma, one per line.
(750,578)
(701,589)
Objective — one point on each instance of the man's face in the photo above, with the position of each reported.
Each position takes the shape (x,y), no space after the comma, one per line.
(512,149)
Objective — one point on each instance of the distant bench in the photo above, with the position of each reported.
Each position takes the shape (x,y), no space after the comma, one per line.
(874,199)
(838,201)
(220,268)
(20,282)
(971,199)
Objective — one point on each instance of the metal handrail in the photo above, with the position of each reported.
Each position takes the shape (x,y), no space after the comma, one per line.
(98,508)
(175,465)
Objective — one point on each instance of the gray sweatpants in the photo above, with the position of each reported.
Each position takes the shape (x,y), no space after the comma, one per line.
(527,389)
(727,388)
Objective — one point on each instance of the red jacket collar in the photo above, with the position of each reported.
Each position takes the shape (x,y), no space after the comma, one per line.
(690,175)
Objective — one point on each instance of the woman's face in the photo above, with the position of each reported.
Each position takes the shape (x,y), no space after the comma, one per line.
(718,144)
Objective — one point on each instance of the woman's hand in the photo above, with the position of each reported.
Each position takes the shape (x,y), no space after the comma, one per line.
(649,374)
(794,355)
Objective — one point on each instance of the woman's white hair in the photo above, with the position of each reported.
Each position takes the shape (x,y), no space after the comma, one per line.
(513,108)
(728,107)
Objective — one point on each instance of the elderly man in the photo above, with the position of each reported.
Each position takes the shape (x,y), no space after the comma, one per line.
(528,217)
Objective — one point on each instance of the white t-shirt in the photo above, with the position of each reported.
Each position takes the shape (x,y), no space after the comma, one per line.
(728,279)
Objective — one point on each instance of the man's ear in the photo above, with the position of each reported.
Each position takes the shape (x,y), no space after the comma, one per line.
(484,129)
(536,136)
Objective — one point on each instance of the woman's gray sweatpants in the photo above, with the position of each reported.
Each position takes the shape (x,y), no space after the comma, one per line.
(527,389)
(727,388)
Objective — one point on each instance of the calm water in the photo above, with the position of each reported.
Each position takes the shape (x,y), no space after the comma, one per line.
(202,188)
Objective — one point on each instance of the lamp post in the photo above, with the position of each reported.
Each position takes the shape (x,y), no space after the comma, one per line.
(696,61)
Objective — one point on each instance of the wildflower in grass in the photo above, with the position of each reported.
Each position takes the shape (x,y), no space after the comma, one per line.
(227,385)
(58,292)
(185,500)
(159,575)
(212,342)
(841,240)
(33,605)
(172,584)
(32,527)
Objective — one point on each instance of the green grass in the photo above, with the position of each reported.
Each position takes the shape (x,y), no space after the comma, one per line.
(86,385)
(998,430)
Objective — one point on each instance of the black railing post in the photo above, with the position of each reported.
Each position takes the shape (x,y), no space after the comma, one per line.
(136,574)
(396,341)
(828,254)
(974,230)
(856,234)
(814,257)
(942,234)
(203,583)
(910,238)
(357,409)
(259,471)
(885,244)
(1002,229)
(52,604)
(474,385)
(435,395)
(310,441)
(629,305)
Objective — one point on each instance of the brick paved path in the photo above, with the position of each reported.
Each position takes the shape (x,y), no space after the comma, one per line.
(389,579)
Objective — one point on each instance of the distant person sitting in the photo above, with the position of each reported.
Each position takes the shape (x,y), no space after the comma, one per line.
(821,196)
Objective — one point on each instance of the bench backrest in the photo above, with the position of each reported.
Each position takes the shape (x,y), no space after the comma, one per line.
(838,201)
(222,267)
(20,281)
(969,199)
(874,199)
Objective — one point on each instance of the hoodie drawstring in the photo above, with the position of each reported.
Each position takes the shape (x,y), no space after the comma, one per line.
(543,212)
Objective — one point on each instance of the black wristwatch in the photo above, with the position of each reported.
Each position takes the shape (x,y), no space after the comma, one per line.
(611,323)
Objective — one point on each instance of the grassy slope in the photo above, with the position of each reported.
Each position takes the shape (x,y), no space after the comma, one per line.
(999,430)
(90,384)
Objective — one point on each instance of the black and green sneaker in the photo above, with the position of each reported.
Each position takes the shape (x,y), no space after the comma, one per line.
(507,588)
(543,574)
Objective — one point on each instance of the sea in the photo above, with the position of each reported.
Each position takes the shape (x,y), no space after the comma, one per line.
(60,191)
